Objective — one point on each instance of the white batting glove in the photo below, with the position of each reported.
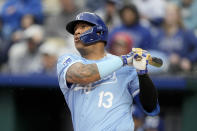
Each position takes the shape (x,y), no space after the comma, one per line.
(137,58)
(140,60)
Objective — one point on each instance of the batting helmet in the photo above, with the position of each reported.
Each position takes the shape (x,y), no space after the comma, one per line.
(98,32)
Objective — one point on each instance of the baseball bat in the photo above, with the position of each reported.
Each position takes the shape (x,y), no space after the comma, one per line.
(154,61)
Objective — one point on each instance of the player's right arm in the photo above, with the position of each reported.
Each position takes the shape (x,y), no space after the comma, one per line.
(72,69)
(82,73)
(76,72)
(87,73)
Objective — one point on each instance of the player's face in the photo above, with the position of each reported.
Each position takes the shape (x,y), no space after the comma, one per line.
(79,29)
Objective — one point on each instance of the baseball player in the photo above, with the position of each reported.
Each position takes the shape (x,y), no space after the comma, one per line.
(100,88)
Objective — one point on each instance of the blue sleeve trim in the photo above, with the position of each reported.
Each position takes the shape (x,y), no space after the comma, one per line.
(155,112)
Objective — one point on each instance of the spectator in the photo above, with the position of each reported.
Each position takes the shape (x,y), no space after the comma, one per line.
(16,37)
(151,11)
(26,21)
(121,44)
(109,14)
(188,12)
(55,24)
(51,6)
(93,5)
(130,25)
(11,15)
(13,10)
(50,50)
(176,42)
(24,57)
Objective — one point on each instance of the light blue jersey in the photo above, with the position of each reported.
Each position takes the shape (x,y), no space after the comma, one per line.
(104,105)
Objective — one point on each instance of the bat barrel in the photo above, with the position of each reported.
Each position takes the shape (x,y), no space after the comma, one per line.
(154,61)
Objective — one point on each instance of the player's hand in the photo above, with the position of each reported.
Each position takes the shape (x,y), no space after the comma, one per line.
(137,58)
(140,60)
(128,59)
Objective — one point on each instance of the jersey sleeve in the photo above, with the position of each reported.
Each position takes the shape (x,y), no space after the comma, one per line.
(134,83)
(63,64)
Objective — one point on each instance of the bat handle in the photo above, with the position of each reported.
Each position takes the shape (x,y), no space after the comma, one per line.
(154,61)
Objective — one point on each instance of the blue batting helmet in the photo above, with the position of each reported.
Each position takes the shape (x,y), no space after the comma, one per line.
(98,32)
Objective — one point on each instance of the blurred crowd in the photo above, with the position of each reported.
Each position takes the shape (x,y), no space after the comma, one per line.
(33,35)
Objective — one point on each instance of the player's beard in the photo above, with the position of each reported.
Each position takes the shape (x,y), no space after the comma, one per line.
(84,49)
(84,52)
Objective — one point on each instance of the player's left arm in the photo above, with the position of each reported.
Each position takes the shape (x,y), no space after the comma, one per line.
(147,97)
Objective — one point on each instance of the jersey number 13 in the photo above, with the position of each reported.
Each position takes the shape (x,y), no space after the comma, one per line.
(108,99)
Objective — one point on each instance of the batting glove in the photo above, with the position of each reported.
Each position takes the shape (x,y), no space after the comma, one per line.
(128,59)
(140,60)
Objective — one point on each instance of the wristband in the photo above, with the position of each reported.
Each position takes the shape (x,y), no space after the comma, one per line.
(124,59)
(109,66)
(142,72)
(127,58)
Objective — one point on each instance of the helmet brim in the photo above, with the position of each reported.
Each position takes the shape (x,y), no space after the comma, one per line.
(71,25)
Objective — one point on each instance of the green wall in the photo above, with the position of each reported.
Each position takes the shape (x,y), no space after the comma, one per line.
(190,107)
